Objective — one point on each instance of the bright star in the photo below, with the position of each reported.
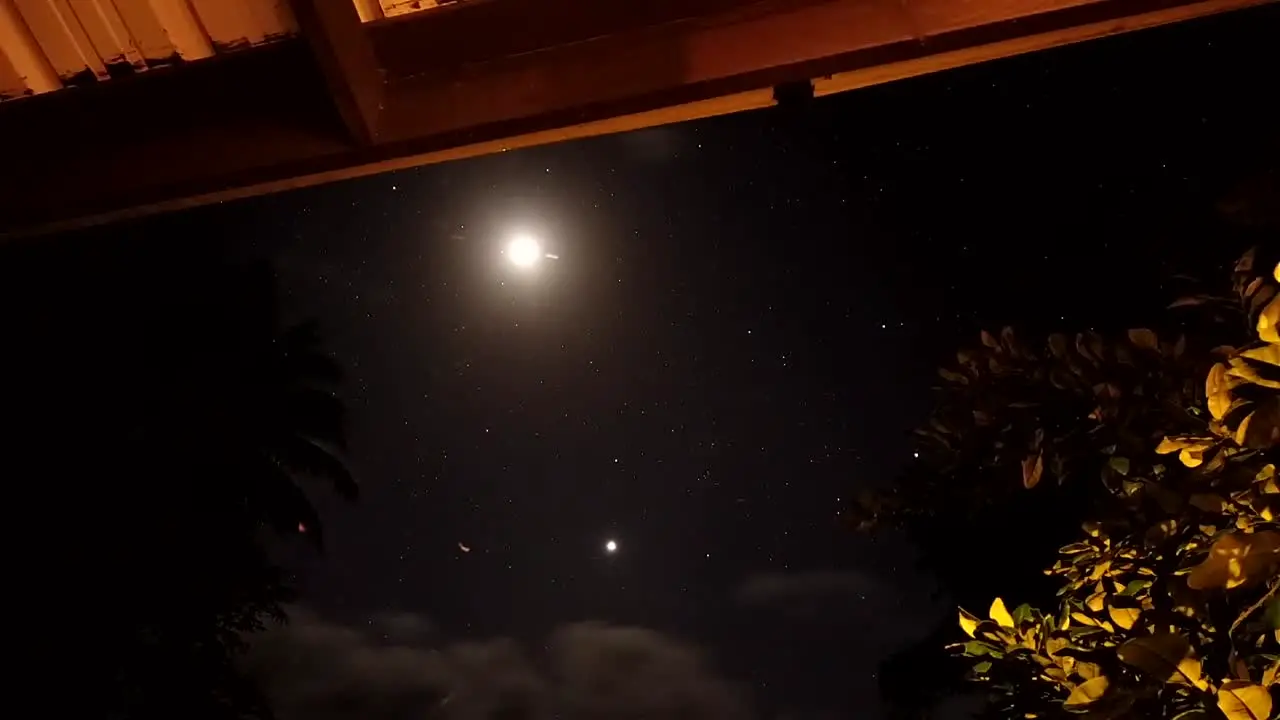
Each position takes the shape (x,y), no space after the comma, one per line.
(611,547)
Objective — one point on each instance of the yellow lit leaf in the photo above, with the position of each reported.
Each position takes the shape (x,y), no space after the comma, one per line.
(1032,468)
(1096,601)
(1266,478)
(1269,322)
(1000,614)
(1271,675)
(1053,644)
(1162,531)
(1240,370)
(1144,338)
(1242,430)
(1191,458)
(1056,674)
(1088,692)
(1277,272)
(1269,354)
(1261,429)
(1124,618)
(1190,672)
(1237,559)
(1242,700)
(1189,447)
(1216,391)
(968,623)
(1083,619)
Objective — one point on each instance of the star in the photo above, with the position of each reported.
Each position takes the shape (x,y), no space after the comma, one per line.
(611,547)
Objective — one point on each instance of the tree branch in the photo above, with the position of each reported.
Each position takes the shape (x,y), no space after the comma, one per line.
(1254,607)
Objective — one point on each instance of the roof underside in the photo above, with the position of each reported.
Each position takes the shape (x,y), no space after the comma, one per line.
(48,45)
(120,107)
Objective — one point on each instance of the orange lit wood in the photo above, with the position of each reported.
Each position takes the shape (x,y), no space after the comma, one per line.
(461,80)
(345,56)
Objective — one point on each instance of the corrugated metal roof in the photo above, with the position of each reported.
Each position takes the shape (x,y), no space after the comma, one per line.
(48,45)
(371,10)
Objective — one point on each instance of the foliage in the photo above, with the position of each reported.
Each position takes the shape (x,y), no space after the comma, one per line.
(1167,602)
(243,410)
(1012,417)
(172,424)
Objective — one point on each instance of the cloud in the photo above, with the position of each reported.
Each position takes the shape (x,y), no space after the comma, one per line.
(403,627)
(311,669)
(606,672)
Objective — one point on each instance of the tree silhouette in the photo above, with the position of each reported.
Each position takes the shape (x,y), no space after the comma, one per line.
(169,424)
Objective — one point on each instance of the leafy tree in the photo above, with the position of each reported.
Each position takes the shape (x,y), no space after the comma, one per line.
(171,422)
(1012,448)
(1072,428)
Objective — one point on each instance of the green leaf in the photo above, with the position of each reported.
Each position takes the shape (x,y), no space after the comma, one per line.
(1272,614)
(1135,586)
(1119,464)
(976,648)
(1023,614)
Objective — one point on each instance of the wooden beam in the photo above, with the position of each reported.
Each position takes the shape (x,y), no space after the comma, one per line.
(345,55)
(268,121)
(745,48)
(476,31)
(945,58)
(369,10)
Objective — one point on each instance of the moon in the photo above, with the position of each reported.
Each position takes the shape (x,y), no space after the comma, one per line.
(611,547)
(524,251)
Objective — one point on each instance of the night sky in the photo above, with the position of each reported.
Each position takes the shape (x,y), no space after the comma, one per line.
(738,334)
